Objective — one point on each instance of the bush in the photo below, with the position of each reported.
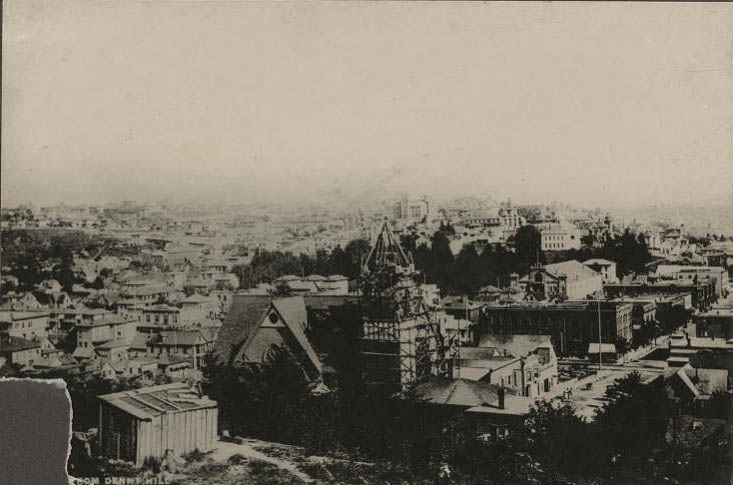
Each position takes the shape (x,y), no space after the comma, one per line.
(237,459)
(152,463)
(195,455)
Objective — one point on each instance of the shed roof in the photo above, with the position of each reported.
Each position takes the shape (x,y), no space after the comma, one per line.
(148,402)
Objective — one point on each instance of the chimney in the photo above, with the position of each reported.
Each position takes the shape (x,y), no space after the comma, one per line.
(501,398)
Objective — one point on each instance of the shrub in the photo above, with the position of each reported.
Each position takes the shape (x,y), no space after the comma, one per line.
(195,455)
(152,463)
(237,459)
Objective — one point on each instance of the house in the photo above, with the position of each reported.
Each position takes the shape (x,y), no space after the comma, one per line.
(147,422)
(283,326)
(19,351)
(192,345)
(691,387)
(526,364)
(144,293)
(701,293)
(173,366)
(606,268)
(161,315)
(568,280)
(197,308)
(147,369)
(560,237)
(91,333)
(242,319)
(694,273)
(492,410)
(458,329)
(113,350)
(716,323)
(49,287)
(25,324)
(461,307)
(21,301)
(313,284)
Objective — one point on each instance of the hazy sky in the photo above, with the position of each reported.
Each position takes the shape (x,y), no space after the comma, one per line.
(611,104)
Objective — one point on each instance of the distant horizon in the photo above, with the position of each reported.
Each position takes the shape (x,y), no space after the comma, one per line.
(388,197)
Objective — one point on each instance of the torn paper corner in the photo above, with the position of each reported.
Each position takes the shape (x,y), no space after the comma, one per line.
(61,384)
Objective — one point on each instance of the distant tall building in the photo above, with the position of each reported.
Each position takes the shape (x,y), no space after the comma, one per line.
(407,210)
(560,237)
(509,216)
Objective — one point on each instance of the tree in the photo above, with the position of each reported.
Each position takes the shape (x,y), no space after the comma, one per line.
(527,242)
(634,419)
(587,240)
(622,346)
(558,437)
(467,274)
(447,228)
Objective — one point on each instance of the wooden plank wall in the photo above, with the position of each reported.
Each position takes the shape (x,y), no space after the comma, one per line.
(181,432)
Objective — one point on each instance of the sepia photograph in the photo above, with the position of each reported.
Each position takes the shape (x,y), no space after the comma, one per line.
(366,242)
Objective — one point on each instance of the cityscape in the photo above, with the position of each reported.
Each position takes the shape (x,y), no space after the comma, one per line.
(444,329)
(250,242)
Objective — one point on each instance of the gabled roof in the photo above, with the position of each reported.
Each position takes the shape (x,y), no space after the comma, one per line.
(706,381)
(291,314)
(140,341)
(245,315)
(679,375)
(84,353)
(294,314)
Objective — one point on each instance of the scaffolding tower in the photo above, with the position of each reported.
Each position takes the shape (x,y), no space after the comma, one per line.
(401,335)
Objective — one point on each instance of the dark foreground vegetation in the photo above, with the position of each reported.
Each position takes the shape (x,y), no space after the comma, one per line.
(625,444)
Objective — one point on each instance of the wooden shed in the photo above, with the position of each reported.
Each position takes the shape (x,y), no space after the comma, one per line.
(142,423)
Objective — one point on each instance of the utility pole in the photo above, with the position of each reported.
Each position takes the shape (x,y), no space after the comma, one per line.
(600,350)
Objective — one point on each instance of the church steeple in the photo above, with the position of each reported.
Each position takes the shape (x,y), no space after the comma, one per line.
(386,251)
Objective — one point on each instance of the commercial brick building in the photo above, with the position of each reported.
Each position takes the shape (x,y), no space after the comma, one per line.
(571,325)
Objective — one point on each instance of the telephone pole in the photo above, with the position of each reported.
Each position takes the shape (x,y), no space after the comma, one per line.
(600,339)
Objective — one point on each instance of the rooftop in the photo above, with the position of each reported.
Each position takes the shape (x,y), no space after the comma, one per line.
(572,270)
(148,402)
(17,344)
